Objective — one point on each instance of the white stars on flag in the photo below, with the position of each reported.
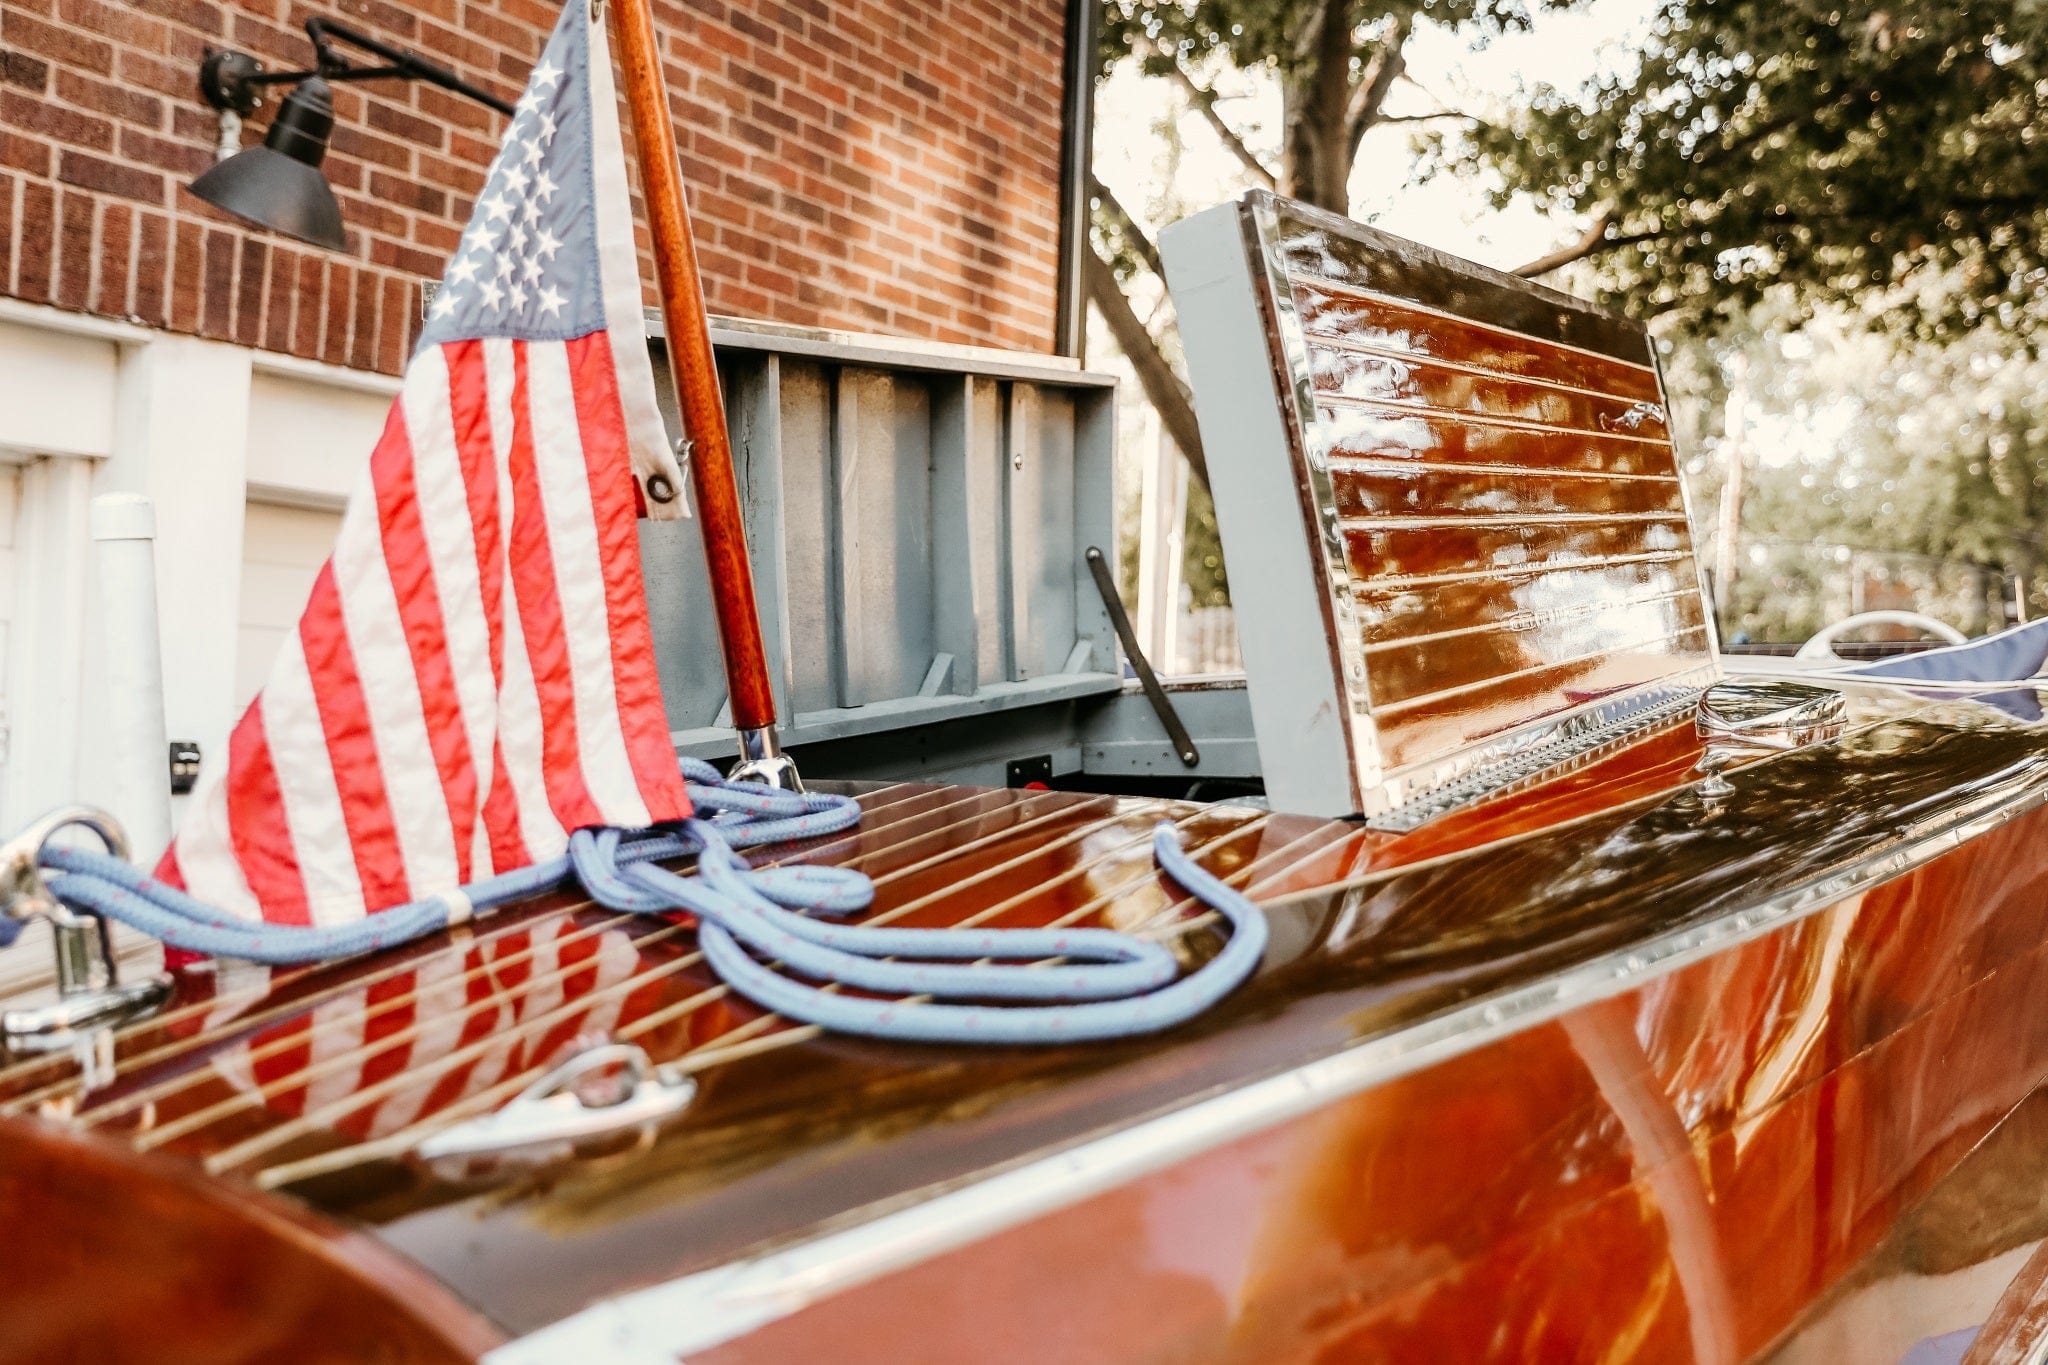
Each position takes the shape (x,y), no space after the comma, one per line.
(510,274)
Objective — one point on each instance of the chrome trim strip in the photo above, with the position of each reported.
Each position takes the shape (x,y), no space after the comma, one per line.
(1522,571)
(1709,608)
(659,1323)
(1582,738)
(1432,787)
(1525,620)
(1319,501)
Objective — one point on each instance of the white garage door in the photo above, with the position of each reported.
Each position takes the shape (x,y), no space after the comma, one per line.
(282,551)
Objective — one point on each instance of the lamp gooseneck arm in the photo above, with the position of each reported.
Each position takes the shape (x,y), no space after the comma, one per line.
(230,80)
(403,63)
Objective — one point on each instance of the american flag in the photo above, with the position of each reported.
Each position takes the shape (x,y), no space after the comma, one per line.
(474,675)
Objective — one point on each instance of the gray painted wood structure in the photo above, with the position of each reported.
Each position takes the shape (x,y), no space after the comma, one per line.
(918,516)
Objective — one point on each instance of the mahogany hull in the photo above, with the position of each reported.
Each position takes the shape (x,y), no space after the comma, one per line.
(1676,1173)
(1593,1071)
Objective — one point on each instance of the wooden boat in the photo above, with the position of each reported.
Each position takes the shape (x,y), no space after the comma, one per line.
(1569,1073)
(1594,1025)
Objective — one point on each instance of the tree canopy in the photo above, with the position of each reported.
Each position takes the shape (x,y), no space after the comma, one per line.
(1872,459)
(1827,145)
(1336,63)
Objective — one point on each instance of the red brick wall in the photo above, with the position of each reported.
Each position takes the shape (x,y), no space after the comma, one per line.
(880,165)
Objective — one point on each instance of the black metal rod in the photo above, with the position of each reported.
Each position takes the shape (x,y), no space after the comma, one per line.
(1076,156)
(275,77)
(1077,139)
(337,69)
(403,63)
(1162,705)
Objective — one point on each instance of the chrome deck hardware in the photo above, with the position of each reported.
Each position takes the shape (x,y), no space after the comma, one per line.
(1739,720)
(762,761)
(575,1102)
(90,994)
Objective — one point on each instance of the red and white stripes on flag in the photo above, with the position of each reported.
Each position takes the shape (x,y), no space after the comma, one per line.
(474,675)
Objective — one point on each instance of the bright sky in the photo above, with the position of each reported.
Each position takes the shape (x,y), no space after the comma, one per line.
(1562,49)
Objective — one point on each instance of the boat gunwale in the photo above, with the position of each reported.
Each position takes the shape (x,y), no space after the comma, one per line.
(784,1275)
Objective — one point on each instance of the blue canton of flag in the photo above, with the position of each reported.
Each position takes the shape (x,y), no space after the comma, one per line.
(528,265)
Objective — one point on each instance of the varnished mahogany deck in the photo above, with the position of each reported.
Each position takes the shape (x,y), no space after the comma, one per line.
(1686,1165)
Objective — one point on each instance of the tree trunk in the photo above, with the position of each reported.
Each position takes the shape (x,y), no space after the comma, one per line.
(1315,155)
(1162,386)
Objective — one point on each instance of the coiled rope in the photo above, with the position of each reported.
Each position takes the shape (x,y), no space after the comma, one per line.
(944,984)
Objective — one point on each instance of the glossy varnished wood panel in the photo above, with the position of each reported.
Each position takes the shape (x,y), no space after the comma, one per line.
(1336,252)
(1674,1174)
(1478,452)
(115,1258)
(1377,324)
(1414,436)
(1465,1184)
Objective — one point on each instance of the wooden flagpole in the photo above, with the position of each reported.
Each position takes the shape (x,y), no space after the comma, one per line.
(688,329)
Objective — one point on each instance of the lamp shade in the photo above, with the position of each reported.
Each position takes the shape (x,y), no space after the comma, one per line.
(279,185)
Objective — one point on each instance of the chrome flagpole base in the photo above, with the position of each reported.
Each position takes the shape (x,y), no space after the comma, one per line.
(762,761)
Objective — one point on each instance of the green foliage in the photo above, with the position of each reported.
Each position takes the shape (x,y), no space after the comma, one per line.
(1202,567)
(1828,144)
(1275,34)
(1335,61)
(1882,470)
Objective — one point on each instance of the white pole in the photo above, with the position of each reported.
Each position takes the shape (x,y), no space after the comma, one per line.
(124,544)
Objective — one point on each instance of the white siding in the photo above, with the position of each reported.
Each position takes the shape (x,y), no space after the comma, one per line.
(10,498)
(56,392)
(282,551)
(309,441)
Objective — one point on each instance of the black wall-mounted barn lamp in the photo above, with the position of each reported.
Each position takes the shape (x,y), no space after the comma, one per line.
(279,185)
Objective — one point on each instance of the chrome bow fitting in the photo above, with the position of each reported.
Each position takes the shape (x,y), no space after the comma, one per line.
(1740,720)
(90,993)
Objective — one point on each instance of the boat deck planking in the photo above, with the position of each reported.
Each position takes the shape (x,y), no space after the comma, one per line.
(1444,945)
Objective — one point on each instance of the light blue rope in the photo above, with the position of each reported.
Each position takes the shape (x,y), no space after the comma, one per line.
(1079,983)
(958,1023)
